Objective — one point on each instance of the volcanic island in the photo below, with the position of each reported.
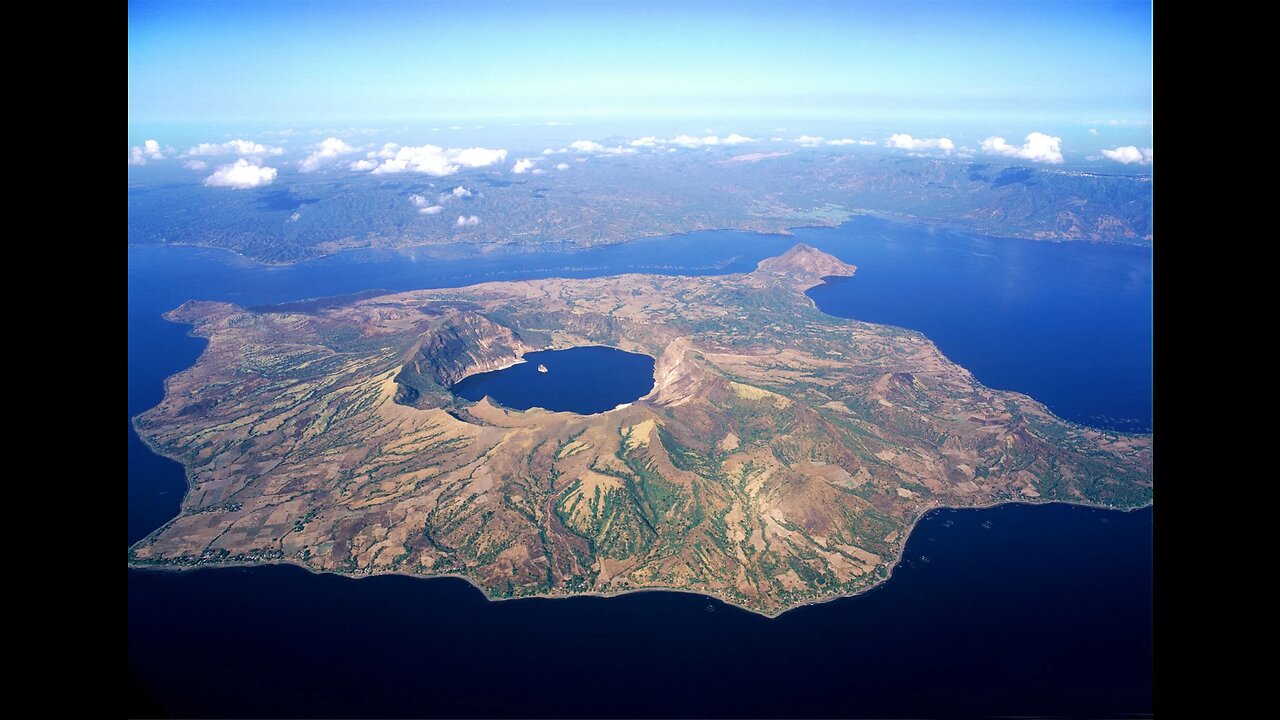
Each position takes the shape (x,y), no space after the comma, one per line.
(782,457)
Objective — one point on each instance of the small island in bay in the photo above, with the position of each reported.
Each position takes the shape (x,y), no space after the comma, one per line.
(781,458)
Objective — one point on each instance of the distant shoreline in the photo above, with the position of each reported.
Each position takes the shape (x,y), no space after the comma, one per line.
(575,248)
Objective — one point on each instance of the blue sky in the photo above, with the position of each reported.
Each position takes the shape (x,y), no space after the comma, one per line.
(1058,83)
(291,62)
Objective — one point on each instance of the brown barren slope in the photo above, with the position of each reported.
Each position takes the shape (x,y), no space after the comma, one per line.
(781,458)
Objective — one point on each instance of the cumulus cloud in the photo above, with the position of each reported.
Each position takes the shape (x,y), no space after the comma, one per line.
(148,150)
(903,141)
(326,150)
(234,147)
(850,141)
(460,192)
(693,141)
(523,165)
(196,165)
(241,175)
(477,157)
(589,146)
(809,140)
(1093,131)
(424,205)
(427,159)
(562,166)
(467,221)
(1130,155)
(1038,147)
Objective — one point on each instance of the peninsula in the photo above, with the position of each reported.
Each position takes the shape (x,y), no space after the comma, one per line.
(781,458)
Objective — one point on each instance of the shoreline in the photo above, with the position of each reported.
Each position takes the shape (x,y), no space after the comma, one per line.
(574,247)
(618,593)
(909,528)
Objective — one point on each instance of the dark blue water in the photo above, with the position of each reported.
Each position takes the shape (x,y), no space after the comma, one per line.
(583,380)
(1016,611)
(1046,611)
(1068,324)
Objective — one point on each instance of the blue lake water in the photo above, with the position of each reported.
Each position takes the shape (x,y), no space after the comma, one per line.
(583,380)
(1068,324)
(1018,609)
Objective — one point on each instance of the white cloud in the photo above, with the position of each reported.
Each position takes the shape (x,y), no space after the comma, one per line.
(1130,155)
(691,141)
(196,165)
(555,123)
(686,141)
(477,157)
(1038,147)
(588,146)
(903,141)
(465,221)
(809,140)
(295,217)
(427,159)
(241,175)
(850,141)
(460,192)
(562,166)
(1093,131)
(523,165)
(234,147)
(326,150)
(424,205)
(148,150)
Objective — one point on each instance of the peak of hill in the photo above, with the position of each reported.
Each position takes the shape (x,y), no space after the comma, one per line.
(804,263)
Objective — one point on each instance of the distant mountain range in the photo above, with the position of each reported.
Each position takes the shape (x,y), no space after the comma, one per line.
(605,200)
